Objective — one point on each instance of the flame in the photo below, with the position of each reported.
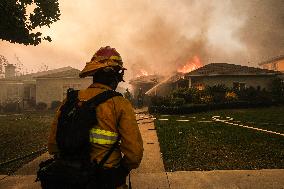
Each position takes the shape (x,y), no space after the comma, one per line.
(192,64)
(142,73)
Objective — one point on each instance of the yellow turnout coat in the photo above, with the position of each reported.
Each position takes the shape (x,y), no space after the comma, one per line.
(114,111)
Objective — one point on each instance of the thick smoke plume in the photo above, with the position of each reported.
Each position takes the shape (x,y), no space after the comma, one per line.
(159,36)
(263,31)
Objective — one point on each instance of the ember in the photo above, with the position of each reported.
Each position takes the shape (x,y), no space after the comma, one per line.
(191,65)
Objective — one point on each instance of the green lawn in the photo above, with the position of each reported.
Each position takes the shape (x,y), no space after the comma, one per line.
(21,135)
(198,145)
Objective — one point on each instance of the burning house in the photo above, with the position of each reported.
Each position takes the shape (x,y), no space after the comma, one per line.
(276,64)
(176,80)
(230,75)
(144,83)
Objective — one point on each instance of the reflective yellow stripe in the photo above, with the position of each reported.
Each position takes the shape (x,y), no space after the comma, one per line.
(100,58)
(94,135)
(115,58)
(101,141)
(99,136)
(103,132)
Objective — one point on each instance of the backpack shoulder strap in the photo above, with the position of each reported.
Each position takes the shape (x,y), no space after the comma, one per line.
(71,97)
(94,102)
(102,97)
(72,94)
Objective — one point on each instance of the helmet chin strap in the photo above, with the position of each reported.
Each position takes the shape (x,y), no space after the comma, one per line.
(114,84)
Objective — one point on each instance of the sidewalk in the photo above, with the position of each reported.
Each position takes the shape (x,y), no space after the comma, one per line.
(151,173)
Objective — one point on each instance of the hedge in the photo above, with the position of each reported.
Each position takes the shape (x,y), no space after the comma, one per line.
(194,108)
(41,106)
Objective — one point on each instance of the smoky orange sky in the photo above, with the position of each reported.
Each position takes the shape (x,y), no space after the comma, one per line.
(159,35)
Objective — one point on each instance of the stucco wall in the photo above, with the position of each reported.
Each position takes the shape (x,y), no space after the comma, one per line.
(11,91)
(250,81)
(52,89)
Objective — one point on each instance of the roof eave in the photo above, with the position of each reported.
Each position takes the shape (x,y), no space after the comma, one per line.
(212,75)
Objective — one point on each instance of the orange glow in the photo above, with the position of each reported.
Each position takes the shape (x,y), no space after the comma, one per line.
(192,64)
(142,73)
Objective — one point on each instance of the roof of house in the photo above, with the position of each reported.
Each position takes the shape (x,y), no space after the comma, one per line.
(68,73)
(214,69)
(274,59)
(146,79)
(53,72)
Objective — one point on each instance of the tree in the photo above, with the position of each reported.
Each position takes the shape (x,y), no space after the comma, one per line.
(19,26)
(277,89)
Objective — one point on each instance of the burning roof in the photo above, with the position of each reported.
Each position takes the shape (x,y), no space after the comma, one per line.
(146,79)
(191,64)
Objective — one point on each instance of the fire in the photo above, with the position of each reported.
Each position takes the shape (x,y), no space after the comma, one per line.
(142,73)
(192,64)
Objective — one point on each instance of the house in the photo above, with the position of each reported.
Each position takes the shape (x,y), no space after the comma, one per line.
(276,64)
(46,86)
(230,75)
(53,86)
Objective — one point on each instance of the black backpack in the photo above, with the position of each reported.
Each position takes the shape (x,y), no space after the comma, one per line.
(74,124)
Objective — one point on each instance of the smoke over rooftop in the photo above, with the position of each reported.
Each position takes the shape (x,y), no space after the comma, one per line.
(159,36)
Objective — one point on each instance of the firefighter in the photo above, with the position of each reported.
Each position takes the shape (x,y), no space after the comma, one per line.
(140,98)
(115,117)
(128,95)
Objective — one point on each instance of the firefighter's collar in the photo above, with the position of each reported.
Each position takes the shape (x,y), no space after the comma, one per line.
(101,86)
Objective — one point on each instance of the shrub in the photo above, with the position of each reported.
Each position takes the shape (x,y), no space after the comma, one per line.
(55,104)
(41,106)
(231,96)
(194,108)
(190,95)
(177,102)
(159,101)
(218,92)
(11,107)
(206,99)
(277,90)
(253,95)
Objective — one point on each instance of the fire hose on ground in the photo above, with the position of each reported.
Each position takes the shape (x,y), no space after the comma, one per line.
(23,157)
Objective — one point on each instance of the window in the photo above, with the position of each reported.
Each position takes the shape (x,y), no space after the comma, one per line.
(199,86)
(239,85)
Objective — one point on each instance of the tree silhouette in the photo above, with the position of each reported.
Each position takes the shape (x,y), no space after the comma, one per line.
(19,26)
